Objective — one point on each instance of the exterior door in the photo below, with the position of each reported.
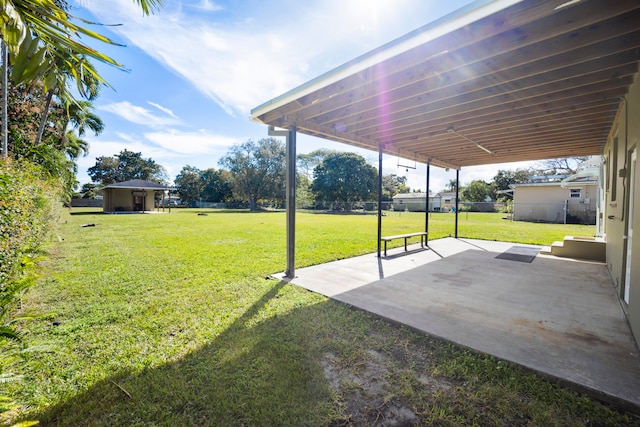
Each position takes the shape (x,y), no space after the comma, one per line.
(632,191)
(138,203)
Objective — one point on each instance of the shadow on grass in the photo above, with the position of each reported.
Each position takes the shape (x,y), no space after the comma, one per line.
(257,372)
(87,213)
(324,363)
(234,211)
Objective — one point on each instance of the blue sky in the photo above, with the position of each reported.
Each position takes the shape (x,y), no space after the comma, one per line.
(197,67)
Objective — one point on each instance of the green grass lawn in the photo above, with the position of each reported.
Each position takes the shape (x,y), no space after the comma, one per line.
(173,320)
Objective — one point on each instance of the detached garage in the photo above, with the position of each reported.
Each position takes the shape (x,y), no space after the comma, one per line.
(136,195)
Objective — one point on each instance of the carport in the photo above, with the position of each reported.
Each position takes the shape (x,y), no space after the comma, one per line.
(495,82)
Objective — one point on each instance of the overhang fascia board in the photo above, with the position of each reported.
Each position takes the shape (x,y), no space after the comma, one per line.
(460,18)
(333,134)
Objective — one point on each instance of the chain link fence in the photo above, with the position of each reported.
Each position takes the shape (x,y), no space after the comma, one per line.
(565,212)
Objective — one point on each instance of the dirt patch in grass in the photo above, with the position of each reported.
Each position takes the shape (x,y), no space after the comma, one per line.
(367,389)
(384,374)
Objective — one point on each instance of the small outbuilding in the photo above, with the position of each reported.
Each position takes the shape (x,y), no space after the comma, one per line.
(415,202)
(136,195)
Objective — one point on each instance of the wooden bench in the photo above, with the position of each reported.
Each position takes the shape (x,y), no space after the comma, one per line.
(422,234)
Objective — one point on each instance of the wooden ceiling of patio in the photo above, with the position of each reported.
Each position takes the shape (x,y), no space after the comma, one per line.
(536,80)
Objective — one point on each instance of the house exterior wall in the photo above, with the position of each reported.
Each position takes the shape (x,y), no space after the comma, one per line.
(546,202)
(448,201)
(623,140)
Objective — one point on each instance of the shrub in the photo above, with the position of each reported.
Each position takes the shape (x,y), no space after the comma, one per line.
(29,206)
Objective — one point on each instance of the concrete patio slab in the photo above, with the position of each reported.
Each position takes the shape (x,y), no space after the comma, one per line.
(557,316)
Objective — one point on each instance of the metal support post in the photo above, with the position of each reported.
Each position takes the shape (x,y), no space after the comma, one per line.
(290,136)
(379,197)
(457,197)
(291,204)
(426,213)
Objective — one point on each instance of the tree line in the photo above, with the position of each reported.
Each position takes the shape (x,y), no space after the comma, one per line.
(251,172)
(254,172)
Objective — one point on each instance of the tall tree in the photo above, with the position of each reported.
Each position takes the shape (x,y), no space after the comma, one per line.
(307,162)
(565,165)
(216,185)
(126,166)
(257,170)
(81,117)
(476,191)
(344,177)
(56,84)
(504,179)
(304,195)
(393,184)
(59,146)
(190,184)
(89,190)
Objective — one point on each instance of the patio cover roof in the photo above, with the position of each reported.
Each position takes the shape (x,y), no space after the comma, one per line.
(498,81)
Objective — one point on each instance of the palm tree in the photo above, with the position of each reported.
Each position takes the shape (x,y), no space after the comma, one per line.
(38,34)
(52,26)
(91,89)
(75,146)
(81,117)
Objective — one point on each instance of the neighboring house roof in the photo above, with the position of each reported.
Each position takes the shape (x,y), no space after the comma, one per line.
(137,184)
(588,170)
(554,184)
(548,178)
(447,194)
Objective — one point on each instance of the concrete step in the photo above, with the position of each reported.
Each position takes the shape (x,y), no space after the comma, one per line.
(546,250)
(588,248)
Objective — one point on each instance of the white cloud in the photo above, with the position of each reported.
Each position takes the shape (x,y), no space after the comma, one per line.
(172,149)
(163,109)
(140,115)
(242,58)
(242,64)
(191,143)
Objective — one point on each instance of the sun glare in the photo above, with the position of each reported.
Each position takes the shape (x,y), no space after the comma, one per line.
(368,13)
